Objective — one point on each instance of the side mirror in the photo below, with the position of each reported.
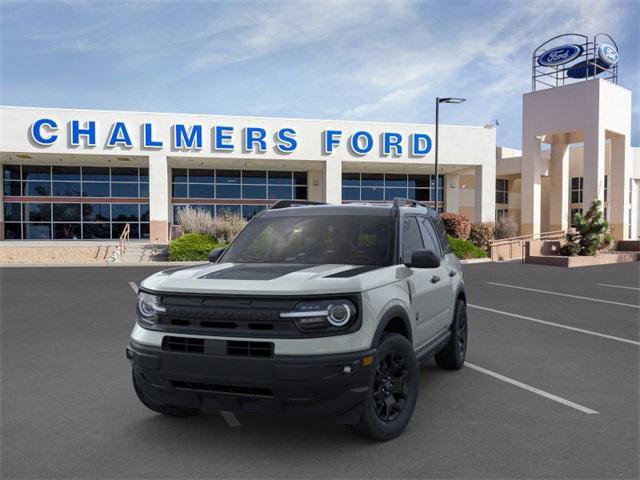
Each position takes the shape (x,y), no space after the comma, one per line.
(215,254)
(424,259)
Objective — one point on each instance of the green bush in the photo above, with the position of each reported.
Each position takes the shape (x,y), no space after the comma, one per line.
(192,247)
(463,249)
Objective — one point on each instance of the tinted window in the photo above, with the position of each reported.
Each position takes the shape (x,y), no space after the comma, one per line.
(280,178)
(201,176)
(124,212)
(442,233)
(124,190)
(98,174)
(254,177)
(66,189)
(96,212)
(66,212)
(37,189)
(429,236)
(66,173)
(411,239)
(11,172)
(95,189)
(124,174)
(321,239)
(36,172)
(12,212)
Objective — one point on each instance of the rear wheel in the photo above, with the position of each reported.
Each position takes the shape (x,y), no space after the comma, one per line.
(453,354)
(393,390)
(169,410)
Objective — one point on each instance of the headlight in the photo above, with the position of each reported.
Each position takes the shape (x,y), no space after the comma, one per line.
(148,308)
(323,315)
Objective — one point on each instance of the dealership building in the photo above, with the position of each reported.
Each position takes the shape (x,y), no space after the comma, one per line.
(85,174)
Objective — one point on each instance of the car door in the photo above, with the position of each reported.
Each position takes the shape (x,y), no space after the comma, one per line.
(425,285)
(443,301)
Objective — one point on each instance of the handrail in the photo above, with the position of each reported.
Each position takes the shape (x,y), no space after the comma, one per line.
(538,236)
(123,241)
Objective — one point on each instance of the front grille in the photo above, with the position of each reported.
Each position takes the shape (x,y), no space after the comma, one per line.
(249,349)
(236,316)
(229,389)
(183,344)
(218,347)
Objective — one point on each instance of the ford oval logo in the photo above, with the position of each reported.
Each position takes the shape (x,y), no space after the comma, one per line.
(608,54)
(560,55)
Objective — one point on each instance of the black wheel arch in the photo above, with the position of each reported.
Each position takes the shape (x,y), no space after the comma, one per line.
(395,320)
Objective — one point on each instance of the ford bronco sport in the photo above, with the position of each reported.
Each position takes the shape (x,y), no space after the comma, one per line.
(312,310)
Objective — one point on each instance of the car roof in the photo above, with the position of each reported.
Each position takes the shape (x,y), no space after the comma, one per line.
(354,209)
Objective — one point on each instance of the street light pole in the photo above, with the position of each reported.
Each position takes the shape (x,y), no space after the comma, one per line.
(438,102)
(436,148)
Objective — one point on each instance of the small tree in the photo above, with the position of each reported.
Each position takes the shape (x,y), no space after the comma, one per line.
(592,233)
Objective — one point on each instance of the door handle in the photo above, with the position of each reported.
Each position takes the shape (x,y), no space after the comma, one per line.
(435,279)
(452,273)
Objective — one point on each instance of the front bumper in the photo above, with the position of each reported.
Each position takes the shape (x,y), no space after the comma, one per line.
(322,385)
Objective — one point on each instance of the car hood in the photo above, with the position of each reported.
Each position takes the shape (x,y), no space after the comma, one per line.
(270,279)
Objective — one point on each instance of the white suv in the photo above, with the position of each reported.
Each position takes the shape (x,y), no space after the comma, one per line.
(312,310)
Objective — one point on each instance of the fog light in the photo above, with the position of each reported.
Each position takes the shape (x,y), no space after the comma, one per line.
(368,360)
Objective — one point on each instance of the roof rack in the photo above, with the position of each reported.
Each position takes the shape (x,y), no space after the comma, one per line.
(293,203)
(402,202)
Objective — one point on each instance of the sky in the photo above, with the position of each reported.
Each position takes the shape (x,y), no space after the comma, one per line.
(343,60)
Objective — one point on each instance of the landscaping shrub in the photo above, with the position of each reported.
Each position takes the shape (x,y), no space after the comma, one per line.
(464,249)
(591,235)
(195,220)
(192,247)
(505,228)
(481,234)
(223,228)
(227,226)
(458,226)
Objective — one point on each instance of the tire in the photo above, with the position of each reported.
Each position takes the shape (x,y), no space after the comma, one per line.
(453,354)
(390,400)
(168,410)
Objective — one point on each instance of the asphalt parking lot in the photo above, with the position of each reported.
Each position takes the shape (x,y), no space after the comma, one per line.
(551,389)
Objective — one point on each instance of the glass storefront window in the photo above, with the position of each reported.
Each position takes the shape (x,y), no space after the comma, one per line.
(66,212)
(124,212)
(129,190)
(74,219)
(378,187)
(96,212)
(66,189)
(95,189)
(66,173)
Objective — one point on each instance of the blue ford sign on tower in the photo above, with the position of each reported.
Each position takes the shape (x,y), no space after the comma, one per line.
(608,54)
(560,55)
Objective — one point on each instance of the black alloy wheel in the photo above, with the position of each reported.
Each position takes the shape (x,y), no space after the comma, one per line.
(390,391)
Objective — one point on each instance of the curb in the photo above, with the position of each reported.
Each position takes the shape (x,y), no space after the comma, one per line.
(471,261)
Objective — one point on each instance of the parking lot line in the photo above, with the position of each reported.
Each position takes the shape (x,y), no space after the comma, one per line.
(230,418)
(617,286)
(590,299)
(537,391)
(552,324)
(134,287)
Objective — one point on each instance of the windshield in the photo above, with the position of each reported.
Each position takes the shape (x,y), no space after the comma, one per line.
(319,239)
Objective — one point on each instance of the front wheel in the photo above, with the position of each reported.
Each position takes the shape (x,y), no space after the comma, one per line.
(453,354)
(393,390)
